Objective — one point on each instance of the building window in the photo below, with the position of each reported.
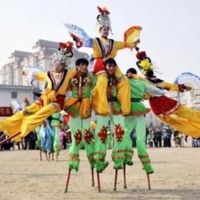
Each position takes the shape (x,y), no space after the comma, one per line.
(14,95)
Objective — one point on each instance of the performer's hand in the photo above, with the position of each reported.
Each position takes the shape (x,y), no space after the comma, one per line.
(137,42)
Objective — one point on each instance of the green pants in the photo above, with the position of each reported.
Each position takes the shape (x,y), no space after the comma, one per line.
(81,133)
(122,150)
(55,123)
(138,124)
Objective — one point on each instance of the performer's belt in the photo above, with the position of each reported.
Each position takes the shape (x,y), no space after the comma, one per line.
(55,118)
(81,99)
(112,99)
(135,99)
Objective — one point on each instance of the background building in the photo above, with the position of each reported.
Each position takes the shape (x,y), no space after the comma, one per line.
(41,55)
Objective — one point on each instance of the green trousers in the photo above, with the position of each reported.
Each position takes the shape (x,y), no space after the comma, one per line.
(122,150)
(81,133)
(55,123)
(138,124)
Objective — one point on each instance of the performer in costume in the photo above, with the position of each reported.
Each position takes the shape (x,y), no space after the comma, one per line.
(104,48)
(51,101)
(166,109)
(79,108)
(122,151)
(136,119)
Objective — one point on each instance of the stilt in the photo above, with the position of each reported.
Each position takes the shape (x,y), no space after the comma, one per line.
(124,172)
(149,183)
(115,183)
(92,172)
(98,182)
(9,138)
(67,183)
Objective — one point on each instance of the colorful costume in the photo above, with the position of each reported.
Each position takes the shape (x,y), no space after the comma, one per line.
(98,94)
(79,108)
(55,99)
(51,101)
(136,120)
(122,151)
(166,109)
(178,116)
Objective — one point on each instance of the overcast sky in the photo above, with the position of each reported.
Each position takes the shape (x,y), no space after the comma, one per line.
(170,35)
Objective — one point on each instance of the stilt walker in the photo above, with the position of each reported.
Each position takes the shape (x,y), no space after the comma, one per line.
(122,151)
(51,101)
(136,120)
(166,109)
(79,108)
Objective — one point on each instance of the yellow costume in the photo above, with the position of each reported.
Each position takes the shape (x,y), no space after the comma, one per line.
(107,48)
(178,116)
(171,112)
(51,101)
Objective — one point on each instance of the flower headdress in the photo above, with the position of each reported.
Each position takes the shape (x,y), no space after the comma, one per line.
(103,18)
(144,63)
(63,54)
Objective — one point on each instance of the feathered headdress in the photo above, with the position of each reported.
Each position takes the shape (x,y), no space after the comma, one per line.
(144,63)
(63,54)
(103,18)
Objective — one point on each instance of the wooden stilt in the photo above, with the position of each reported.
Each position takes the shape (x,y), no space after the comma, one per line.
(149,183)
(92,173)
(9,138)
(124,172)
(98,182)
(67,182)
(115,183)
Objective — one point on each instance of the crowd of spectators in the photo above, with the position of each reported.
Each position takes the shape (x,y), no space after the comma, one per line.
(160,136)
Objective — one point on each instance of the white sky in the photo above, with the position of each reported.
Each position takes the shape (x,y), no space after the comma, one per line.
(170,35)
